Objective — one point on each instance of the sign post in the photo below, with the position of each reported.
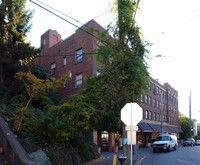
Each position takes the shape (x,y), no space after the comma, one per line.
(131,115)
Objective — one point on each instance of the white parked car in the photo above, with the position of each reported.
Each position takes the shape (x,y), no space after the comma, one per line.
(165,142)
(197,142)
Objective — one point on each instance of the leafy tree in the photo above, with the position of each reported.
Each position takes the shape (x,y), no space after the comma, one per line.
(14,51)
(123,70)
(36,88)
(185,125)
(123,76)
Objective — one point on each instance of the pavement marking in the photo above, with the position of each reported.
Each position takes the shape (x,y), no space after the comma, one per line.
(141,159)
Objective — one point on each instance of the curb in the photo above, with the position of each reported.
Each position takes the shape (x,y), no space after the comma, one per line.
(139,160)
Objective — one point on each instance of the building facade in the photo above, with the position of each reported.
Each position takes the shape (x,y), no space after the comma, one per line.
(72,57)
(160,102)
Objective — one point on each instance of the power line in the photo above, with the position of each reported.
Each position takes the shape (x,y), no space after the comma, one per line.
(58,11)
(66,20)
(75,27)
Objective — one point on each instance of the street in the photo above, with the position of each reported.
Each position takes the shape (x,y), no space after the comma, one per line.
(181,156)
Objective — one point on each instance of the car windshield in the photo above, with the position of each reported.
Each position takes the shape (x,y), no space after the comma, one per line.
(162,138)
(188,139)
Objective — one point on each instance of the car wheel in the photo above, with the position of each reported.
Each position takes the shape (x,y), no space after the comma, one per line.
(154,150)
(175,147)
(168,149)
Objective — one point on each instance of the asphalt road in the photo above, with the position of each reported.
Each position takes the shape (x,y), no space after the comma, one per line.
(181,156)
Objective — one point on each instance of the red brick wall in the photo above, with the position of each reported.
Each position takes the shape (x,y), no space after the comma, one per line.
(68,48)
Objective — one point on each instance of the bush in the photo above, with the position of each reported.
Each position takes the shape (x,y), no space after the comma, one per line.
(40,156)
(82,147)
(94,150)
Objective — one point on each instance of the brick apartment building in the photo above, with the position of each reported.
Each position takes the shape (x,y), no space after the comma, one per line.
(71,56)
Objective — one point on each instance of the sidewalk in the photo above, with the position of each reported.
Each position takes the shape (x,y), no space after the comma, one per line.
(107,157)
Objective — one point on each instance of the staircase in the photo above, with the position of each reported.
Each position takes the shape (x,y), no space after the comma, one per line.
(3,160)
(11,151)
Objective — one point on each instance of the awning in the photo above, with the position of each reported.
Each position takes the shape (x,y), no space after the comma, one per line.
(144,127)
(155,127)
(167,128)
(148,127)
(177,129)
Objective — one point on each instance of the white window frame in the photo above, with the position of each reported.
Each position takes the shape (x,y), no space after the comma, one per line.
(64,84)
(158,117)
(79,56)
(150,115)
(154,103)
(78,80)
(146,115)
(53,68)
(64,61)
(146,99)
(154,116)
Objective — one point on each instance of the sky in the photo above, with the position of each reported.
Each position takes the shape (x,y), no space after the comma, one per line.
(171,26)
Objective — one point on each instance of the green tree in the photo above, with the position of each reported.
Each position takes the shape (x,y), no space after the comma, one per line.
(14,50)
(123,76)
(123,71)
(36,88)
(185,125)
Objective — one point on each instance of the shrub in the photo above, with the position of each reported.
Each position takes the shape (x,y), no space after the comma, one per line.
(40,156)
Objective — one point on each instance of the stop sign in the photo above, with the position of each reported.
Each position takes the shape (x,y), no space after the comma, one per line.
(136,114)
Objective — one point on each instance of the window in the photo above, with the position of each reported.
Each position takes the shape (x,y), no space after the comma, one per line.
(53,68)
(150,101)
(78,80)
(146,99)
(154,116)
(158,116)
(146,114)
(169,108)
(78,56)
(44,42)
(150,115)
(64,60)
(64,84)
(157,104)
(154,102)
(98,73)
(141,98)
(55,39)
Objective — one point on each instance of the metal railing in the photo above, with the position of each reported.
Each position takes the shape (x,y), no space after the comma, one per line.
(14,152)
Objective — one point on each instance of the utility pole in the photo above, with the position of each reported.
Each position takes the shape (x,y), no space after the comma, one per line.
(161,112)
(190,113)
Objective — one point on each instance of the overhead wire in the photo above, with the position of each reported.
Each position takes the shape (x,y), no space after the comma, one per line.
(58,11)
(66,20)
(75,26)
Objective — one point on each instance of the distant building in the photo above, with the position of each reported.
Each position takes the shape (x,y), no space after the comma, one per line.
(71,56)
(198,127)
(151,103)
(195,127)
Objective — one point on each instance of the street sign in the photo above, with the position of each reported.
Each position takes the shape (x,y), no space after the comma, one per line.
(136,114)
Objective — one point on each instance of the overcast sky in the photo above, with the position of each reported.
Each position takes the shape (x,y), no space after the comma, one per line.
(172,26)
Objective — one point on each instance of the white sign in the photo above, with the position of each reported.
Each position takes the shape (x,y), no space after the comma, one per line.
(131,115)
(131,134)
(136,114)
